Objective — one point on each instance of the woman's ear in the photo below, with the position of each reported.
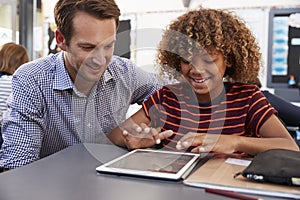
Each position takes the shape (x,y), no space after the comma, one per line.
(60,40)
(228,63)
(229,71)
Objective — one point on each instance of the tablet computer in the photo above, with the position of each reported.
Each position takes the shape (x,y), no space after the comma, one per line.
(151,163)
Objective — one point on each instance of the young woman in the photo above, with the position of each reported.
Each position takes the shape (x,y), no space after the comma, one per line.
(205,111)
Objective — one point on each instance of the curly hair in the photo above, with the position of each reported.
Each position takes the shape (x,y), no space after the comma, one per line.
(211,30)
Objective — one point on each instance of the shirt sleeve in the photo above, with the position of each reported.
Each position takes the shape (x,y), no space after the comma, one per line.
(153,108)
(145,84)
(260,110)
(23,126)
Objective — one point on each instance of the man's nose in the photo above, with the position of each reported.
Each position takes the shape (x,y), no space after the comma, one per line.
(98,57)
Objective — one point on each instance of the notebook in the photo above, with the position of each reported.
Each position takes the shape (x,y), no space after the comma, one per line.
(151,163)
(217,173)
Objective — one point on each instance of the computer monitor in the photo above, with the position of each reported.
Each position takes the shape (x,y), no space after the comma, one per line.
(283,48)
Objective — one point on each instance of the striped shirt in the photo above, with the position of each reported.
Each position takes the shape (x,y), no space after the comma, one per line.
(47,113)
(240,110)
(5,90)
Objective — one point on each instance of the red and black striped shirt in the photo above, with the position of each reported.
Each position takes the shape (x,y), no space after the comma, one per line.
(240,110)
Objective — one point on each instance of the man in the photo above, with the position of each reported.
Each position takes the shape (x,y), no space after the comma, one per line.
(77,95)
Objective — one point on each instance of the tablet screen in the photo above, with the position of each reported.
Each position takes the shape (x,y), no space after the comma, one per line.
(154,163)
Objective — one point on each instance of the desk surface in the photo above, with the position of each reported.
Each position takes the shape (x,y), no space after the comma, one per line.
(70,174)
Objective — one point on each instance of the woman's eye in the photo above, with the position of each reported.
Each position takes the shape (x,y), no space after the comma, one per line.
(185,61)
(209,61)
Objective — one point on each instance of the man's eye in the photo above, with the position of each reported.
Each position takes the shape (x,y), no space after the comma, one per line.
(109,46)
(87,47)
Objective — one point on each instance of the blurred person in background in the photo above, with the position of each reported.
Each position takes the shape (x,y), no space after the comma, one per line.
(12,56)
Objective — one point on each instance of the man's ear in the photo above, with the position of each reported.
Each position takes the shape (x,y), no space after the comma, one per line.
(60,40)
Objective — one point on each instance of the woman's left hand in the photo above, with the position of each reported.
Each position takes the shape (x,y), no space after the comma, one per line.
(203,142)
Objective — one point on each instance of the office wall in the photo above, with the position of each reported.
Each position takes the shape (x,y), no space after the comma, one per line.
(149,18)
(255,13)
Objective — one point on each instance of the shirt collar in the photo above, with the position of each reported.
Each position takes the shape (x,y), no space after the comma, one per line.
(62,80)
(107,75)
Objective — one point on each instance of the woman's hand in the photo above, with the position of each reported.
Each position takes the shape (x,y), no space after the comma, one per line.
(143,136)
(203,142)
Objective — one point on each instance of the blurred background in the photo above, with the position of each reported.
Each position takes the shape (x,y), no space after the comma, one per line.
(31,23)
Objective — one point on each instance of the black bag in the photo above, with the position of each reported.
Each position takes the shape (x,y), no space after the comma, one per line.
(280,166)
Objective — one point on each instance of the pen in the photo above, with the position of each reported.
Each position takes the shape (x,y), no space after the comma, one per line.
(231,194)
